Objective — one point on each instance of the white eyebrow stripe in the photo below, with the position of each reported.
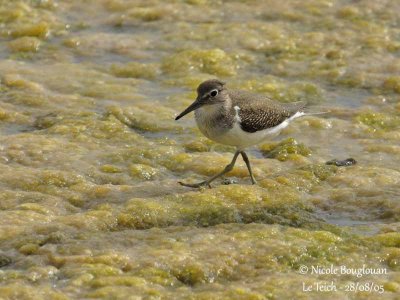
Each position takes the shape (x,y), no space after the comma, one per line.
(237,117)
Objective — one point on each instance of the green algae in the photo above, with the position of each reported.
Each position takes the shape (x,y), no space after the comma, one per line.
(25,292)
(142,171)
(135,70)
(25,44)
(142,117)
(117,281)
(192,273)
(72,42)
(196,146)
(40,30)
(390,239)
(321,171)
(379,121)
(29,249)
(14,117)
(392,84)
(284,92)
(11,15)
(85,125)
(147,14)
(224,204)
(391,149)
(90,154)
(285,150)
(110,169)
(16,81)
(214,62)
(4,260)
(101,90)
(302,247)
(352,80)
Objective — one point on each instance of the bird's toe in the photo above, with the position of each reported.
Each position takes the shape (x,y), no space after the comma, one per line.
(196,185)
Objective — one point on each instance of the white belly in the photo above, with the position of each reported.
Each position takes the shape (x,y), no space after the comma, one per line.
(243,139)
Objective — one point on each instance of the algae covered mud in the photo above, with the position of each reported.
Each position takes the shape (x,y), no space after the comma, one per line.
(90,154)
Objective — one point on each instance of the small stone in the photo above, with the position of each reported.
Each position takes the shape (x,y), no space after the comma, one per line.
(342,163)
(228,181)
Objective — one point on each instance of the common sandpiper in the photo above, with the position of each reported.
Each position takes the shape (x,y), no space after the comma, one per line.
(238,118)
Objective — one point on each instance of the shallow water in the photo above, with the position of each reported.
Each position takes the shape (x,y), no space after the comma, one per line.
(90,154)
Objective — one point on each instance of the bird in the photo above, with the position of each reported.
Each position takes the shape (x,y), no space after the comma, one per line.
(238,118)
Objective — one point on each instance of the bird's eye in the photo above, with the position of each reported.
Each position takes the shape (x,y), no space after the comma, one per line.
(214,93)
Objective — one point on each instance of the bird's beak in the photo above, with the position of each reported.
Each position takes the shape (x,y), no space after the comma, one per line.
(195,105)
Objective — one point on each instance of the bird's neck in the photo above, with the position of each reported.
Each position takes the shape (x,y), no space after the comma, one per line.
(214,111)
(211,119)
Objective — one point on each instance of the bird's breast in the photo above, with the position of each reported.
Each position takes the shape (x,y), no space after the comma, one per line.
(212,121)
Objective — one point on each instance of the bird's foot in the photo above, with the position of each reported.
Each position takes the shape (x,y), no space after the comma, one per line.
(196,185)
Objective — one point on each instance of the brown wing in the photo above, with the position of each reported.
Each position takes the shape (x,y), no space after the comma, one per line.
(258,112)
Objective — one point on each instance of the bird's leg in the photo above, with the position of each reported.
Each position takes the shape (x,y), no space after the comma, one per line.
(247,161)
(227,169)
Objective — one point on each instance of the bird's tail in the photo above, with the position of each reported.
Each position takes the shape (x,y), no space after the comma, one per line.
(305,110)
(306,113)
(312,110)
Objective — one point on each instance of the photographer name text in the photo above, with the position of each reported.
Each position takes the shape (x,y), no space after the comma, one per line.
(342,270)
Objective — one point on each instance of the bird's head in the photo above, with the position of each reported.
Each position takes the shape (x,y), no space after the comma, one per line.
(209,92)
